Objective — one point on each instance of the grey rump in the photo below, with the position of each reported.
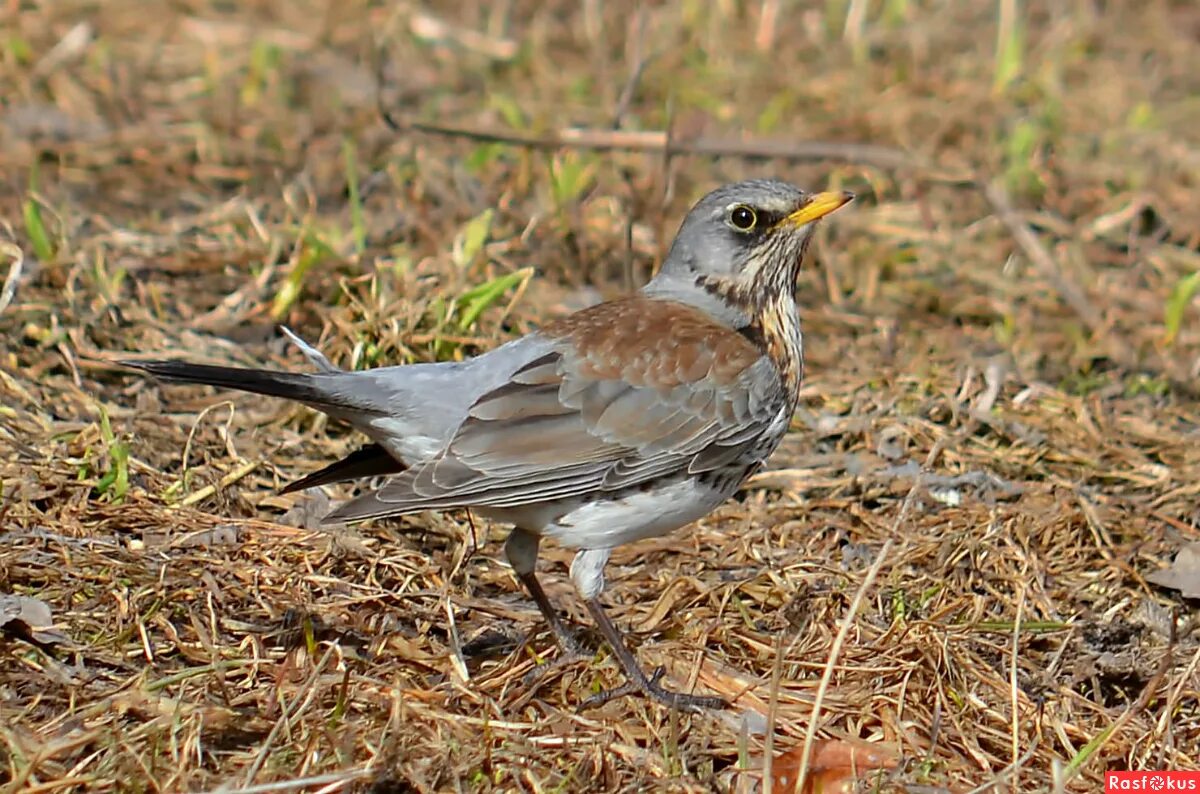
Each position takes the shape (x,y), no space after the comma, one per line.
(623,421)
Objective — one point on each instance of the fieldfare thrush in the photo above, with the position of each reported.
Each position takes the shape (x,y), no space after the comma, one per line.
(625,420)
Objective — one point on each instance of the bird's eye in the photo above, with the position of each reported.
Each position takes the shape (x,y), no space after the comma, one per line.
(743,218)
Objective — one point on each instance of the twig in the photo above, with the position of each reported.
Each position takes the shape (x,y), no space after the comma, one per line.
(661,142)
(187,445)
(16,262)
(843,631)
(640,62)
(1009,770)
(768,25)
(192,672)
(856,19)
(772,714)
(287,716)
(457,660)
(430,28)
(229,479)
(300,782)
(1014,686)
(1071,294)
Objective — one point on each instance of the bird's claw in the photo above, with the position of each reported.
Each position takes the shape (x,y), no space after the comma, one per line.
(651,688)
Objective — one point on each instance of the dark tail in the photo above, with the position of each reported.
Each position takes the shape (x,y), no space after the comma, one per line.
(289,385)
(370,461)
(320,391)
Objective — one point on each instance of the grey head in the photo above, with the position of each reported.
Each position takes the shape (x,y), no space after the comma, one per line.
(741,245)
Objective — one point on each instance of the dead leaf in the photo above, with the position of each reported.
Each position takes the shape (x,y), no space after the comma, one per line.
(29,617)
(1183,574)
(666,603)
(835,766)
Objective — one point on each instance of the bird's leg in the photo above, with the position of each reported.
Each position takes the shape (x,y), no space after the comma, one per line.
(566,639)
(638,681)
(587,570)
(521,551)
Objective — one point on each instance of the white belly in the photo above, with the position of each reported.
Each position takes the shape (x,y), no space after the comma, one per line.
(615,521)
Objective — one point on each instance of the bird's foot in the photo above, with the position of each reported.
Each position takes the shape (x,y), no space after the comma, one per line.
(650,687)
(570,652)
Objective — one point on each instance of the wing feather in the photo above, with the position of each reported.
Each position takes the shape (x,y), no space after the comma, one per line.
(621,400)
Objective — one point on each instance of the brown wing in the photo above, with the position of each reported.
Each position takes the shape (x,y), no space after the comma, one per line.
(634,390)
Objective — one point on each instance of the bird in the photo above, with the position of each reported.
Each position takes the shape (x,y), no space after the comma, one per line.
(625,420)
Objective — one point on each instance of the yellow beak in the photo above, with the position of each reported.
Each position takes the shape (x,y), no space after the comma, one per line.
(821,205)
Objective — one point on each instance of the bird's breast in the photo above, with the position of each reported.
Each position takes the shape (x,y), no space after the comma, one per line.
(778,328)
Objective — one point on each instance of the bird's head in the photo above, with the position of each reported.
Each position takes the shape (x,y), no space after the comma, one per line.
(744,243)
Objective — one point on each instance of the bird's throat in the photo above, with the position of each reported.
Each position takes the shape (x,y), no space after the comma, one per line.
(773,327)
(777,323)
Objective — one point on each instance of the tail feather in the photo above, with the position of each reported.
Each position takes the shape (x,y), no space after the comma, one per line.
(370,461)
(328,391)
(299,386)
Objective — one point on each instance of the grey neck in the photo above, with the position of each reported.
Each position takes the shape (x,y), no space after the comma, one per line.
(682,288)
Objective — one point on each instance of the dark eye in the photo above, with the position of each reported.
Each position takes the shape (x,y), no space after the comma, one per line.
(743,218)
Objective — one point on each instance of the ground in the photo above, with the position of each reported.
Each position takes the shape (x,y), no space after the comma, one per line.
(955,560)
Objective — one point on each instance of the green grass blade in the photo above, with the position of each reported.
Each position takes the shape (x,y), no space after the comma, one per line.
(1088,750)
(1027,626)
(474,235)
(476,300)
(468,306)
(116,481)
(1177,304)
(1009,45)
(35,227)
(314,250)
(570,177)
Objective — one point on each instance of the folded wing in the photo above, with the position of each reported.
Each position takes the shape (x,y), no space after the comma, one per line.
(630,392)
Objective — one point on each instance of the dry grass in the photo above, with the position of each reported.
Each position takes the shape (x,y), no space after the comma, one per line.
(1003,395)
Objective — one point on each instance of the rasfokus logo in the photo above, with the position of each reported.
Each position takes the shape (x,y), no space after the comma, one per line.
(1152,782)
